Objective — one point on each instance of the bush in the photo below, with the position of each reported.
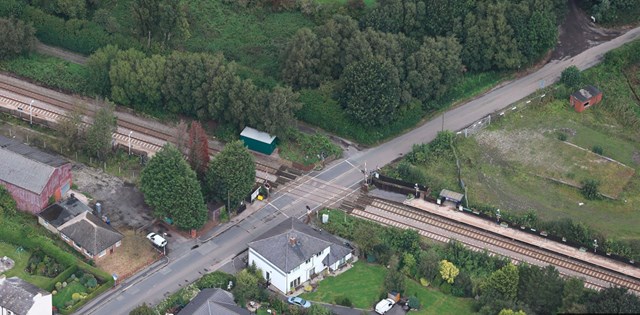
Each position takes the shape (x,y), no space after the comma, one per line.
(445,287)
(414,302)
(597,149)
(590,189)
(344,301)
(562,136)
(571,77)
(216,279)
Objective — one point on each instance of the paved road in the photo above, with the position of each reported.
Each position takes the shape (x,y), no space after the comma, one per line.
(185,267)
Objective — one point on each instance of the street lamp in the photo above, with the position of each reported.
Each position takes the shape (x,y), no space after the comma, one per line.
(498,215)
(595,245)
(130,132)
(30,113)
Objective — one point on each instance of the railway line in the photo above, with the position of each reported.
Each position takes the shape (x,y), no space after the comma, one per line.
(144,139)
(403,216)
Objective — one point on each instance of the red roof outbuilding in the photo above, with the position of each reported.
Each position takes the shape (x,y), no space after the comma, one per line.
(585,97)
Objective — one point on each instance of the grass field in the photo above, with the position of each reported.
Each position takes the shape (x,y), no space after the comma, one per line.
(18,270)
(362,284)
(500,167)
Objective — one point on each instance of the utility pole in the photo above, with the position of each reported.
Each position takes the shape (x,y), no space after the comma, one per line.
(30,113)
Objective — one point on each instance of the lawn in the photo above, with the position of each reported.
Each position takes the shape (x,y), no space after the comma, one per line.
(434,302)
(18,270)
(65,293)
(362,284)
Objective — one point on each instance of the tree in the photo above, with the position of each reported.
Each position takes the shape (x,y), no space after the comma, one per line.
(590,189)
(99,134)
(408,265)
(231,174)
(98,66)
(7,204)
(571,296)
(371,91)
(216,279)
(502,283)
(16,38)
(136,80)
(163,20)
(72,128)
(246,287)
(571,77)
(181,137)
(540,288)
(301,62)
(365,239)
(511,312)
(171,188)
(448,271)
(278,116)
(394,280)
(143,309)
(428,264)
(613,301)
(71,8)
(198,156)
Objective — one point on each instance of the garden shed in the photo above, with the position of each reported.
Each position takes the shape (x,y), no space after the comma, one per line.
(258,141)
(585,97)
(450,196)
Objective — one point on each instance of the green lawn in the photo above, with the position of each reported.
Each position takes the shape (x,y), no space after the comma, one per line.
(434,302)
(362,284)
(65,294)
(21,260)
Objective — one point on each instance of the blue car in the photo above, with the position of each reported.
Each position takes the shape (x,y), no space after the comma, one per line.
(299,301)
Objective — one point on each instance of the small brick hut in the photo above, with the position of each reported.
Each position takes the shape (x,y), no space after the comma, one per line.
(585,97)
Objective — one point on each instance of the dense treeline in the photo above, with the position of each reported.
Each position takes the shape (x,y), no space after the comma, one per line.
(16,38)
(422,47)
(614,11)
(196,84)
(494,282)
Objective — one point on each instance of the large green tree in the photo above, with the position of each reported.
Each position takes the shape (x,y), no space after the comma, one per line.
(16,38)
(136,79)
(98,66)
(99,134)
(231,174)
(161,20)
(540,288)
(613,301)
(171,188)
(278,114)
(371,91)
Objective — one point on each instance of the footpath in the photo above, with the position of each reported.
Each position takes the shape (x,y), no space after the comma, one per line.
(524,237)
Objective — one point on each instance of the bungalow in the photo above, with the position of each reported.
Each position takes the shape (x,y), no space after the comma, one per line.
(213,302)
(22,298)
(292,253)
(77,226)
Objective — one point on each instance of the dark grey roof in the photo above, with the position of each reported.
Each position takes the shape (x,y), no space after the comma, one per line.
(91,233)
(25,166)
(59,213)
(451,195)
(213,302)
(586,93)
(290,243)
(17,295)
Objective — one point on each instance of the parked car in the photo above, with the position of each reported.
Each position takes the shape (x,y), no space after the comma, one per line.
(157,239)
(384,306)
(299,301)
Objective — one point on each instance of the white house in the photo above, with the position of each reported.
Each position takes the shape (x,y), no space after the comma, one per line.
(292,253)
(18,297)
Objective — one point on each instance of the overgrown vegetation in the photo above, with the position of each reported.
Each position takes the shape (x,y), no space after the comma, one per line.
(49,71)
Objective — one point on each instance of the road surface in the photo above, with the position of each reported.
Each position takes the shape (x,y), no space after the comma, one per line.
(290,200)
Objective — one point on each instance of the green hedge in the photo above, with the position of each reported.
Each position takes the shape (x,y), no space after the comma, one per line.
(81,36)
(62,276)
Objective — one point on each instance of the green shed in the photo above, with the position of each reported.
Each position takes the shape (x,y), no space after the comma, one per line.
(258,141)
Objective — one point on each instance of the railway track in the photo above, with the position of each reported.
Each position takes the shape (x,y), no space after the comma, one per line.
(140,136)
(403,216)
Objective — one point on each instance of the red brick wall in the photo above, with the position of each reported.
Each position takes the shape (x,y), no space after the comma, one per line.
(33,203)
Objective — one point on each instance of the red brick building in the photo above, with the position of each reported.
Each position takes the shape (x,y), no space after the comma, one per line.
(585,97)
(32,176)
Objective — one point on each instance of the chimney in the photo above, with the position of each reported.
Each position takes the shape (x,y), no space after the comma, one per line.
(292,240)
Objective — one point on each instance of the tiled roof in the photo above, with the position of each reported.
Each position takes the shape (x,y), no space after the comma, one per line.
(25,166)
(292,242)
(91,233)
(17,295)
(213,302)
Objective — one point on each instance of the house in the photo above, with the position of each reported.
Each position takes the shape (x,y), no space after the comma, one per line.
(213,302)
(292,253)
(258,141)
(32,176)
(76,225)
(585,97)
(22,298)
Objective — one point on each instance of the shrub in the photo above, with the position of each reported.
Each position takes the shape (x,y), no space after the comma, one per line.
(344,301)
(571,77)
(590,189)
(445,287)
(414,302)
(597,149)
(216,279)
(562,136)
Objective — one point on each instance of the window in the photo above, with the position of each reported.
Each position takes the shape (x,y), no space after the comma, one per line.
(295,283)
(318,254)
(308,261)
(102,253)
(118,243)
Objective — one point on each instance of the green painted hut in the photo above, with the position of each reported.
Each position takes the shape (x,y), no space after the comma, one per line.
(258,141)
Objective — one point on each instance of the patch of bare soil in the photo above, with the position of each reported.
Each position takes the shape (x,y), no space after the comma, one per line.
(578,32)
(135,253)
(121,202)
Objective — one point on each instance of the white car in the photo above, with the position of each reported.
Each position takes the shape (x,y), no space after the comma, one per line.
(384,306)
(157,239)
